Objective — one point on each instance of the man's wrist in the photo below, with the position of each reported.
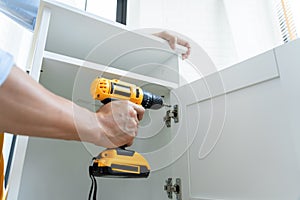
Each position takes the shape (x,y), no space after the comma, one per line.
(86,125)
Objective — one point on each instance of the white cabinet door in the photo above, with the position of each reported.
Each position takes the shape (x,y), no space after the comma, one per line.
(241,130)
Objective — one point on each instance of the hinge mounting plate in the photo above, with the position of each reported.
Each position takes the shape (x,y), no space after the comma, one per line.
(171,114)
(176,188)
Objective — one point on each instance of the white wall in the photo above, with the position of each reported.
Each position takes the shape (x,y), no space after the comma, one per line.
(254,26)
(204,22)
(230,31)
(75,3)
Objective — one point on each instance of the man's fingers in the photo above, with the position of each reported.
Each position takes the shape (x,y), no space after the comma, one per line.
(133,113)
(172,42)
(139,110)
(185,44)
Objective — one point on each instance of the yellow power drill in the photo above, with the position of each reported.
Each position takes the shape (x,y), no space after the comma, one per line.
(120,162)
(106,90)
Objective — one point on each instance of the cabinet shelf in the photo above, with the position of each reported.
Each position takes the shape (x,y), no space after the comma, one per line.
(107,71)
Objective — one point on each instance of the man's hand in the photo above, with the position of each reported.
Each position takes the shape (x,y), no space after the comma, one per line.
(27,108)
(119,123)
(173,40)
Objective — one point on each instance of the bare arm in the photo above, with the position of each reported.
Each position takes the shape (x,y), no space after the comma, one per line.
(27,108)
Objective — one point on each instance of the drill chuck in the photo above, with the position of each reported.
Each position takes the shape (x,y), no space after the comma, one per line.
(151,101)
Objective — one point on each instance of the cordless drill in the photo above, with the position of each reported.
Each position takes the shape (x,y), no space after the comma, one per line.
(120,162)
(106,90)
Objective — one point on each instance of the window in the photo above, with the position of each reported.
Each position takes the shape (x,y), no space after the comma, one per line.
(103,8)
(114,10)
(22,11)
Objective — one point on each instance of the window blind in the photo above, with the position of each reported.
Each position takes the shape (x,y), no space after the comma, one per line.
(286,20)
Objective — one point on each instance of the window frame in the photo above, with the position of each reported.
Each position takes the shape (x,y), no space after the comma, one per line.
(121,14)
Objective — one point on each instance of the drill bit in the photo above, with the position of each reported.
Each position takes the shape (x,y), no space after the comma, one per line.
(166,105)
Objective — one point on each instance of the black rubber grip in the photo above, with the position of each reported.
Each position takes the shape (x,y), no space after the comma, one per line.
(151,101)
(124,152)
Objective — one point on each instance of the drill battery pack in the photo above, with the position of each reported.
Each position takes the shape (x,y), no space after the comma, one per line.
(119,162)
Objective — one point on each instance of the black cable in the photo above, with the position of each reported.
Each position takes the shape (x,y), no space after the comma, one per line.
(10,159)
(93,188)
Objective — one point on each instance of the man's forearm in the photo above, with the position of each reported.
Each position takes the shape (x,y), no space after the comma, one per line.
(27,108)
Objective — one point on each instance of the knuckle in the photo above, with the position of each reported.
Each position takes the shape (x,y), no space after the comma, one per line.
(132,112)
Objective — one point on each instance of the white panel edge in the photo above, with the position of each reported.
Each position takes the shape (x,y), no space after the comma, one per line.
(251,72)
(41,43)
(106,69)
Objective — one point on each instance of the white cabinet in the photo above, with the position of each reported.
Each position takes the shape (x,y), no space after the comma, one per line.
(71,49)
(238,130)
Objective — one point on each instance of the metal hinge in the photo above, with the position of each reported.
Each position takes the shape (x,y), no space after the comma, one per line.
(171,114)
(176,188)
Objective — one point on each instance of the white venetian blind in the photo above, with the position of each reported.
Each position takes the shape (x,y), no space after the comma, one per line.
(286,20)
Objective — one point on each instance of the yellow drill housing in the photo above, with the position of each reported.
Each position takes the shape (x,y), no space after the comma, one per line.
(103,89)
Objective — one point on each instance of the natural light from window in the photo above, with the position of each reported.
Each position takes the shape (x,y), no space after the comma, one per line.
(103,8)
(295,7)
